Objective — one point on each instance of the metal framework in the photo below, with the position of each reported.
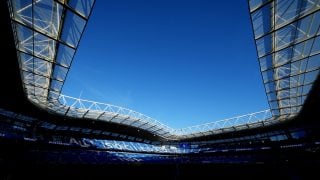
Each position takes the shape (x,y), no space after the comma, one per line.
(47,34)
(79,108)
(287,38)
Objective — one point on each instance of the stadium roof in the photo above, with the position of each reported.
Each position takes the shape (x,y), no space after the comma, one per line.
(47,34)
(287,38)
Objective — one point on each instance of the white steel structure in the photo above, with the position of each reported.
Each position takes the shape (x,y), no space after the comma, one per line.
(80,108)
(47,34)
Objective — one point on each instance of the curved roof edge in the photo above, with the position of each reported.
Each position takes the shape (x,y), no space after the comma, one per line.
(86,109)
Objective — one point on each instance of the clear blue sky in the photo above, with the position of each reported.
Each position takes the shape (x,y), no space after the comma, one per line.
(181,62)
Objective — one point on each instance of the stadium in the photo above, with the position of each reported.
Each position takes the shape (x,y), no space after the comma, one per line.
(46,134)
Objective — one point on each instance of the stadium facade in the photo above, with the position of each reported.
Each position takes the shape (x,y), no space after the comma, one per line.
(40,39)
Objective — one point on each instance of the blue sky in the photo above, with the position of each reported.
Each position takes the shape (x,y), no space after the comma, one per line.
(181,62)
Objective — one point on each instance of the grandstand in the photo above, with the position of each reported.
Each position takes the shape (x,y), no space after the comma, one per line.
(50,134)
